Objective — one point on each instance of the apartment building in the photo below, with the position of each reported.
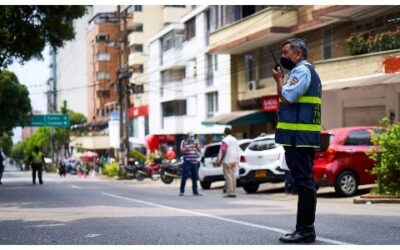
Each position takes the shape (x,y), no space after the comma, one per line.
(146,21)
(357,90)
(187,85)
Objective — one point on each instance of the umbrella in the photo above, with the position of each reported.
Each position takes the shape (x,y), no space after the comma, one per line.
(89,154)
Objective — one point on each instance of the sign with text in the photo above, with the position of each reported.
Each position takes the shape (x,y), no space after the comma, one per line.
(50,120)
(270,103)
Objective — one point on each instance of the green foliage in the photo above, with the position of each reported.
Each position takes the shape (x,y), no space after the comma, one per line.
(6,143)
(362,43)
(137,155)
(26,29)
(388,164)
(111,169)
(15,105)
(17,152)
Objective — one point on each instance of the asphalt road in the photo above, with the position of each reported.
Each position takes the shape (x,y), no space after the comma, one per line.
(102,211)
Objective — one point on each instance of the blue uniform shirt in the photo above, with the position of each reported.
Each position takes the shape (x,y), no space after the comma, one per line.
(297,82)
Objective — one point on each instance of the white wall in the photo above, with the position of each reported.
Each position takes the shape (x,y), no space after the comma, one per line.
(194,89)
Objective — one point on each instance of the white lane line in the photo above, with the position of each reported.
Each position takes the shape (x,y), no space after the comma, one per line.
(92,235)
(274,229)
(76,187)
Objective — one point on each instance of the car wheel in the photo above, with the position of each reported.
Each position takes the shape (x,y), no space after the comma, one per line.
(346,184)
(251,187)
(205,184)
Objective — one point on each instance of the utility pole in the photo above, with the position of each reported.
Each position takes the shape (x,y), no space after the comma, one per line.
(123,87)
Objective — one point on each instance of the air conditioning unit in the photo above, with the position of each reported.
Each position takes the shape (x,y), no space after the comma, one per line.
(251,85)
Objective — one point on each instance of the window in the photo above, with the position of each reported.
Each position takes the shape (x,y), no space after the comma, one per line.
(176,6)
(171,75)
(102,57)
(212,104)
(327,42)
(102,38)
(190,29)
(136,48)
(212,151)
(262,145)
(358,138)
(174,108)
(167,41)
(249,65)
(326,140)
(138,28)
(137,68)
(102,75)
(134,8)
(105,18)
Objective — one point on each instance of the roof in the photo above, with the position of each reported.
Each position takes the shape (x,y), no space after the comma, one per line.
(241,117)
(369,80)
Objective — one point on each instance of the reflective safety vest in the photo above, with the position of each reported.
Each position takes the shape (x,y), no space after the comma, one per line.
(37,158)
(299,123)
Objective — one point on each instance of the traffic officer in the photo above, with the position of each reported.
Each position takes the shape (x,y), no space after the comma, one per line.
(298,130)
(37,164)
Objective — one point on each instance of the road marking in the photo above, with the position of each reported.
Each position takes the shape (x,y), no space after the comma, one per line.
(274,229)
(76,187)
(92,235)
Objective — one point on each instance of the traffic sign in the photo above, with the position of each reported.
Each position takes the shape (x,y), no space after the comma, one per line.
(50,120)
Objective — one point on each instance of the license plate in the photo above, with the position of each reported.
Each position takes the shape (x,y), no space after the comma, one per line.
(261,173)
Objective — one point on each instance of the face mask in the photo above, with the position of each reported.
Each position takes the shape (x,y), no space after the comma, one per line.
(191,138)
(287,63)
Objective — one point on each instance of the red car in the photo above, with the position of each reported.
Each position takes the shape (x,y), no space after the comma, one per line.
(342,161)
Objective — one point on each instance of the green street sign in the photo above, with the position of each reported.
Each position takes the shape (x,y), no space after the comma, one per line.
(50,120)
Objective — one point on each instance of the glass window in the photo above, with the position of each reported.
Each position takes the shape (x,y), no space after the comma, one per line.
(211,151)
(174,108)
(138,28)
(327,42)
(249,67)
(212,103)
(136,48)
(102,75)
(102,38)
(358,138)
(190,29)
(261,145)
(243,146)
(102,57)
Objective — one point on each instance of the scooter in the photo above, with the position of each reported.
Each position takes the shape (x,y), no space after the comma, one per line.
(171,170)
(142,171)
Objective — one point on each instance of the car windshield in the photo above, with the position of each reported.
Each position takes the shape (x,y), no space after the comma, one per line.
(261,145)
(211,151)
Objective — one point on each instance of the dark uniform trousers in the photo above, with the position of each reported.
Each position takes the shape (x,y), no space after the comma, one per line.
(39,169)
(300,161)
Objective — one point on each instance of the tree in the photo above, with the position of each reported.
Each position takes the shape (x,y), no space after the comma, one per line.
(6,142)
(15,105)
(26,29)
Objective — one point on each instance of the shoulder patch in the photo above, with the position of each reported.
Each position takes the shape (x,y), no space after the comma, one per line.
(293,80)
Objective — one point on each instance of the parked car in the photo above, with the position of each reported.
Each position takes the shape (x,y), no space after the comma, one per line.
(72,166)
(260,163)
(207,172)
(342,161)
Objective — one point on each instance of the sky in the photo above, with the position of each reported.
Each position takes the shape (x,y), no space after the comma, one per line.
(33,74)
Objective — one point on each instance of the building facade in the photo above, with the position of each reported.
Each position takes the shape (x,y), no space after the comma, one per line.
(357,90)
(187,85)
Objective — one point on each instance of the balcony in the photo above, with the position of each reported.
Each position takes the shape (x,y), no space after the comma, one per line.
(172,58)
(136,38)
(137,58)
(264,27)
(353,66)
(170,13)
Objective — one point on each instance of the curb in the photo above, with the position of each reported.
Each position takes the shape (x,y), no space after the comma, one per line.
(374,198)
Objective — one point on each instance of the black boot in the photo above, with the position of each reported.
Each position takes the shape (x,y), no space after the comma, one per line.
(306,205)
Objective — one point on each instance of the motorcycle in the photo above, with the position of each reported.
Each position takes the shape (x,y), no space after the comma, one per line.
(170,171)
(142,171)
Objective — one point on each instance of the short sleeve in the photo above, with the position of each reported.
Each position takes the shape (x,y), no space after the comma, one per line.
(224,147)
(296,84)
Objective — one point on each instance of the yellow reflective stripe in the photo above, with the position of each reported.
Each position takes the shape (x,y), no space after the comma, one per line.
(309,99)
(299,126)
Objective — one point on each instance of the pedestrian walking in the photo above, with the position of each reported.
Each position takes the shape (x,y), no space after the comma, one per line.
(298,130)
(62,168)
(189,149)
(229,156)
(37,163)
(2,158)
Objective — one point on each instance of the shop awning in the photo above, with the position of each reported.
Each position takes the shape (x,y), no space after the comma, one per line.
(242,117)
(370,80)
